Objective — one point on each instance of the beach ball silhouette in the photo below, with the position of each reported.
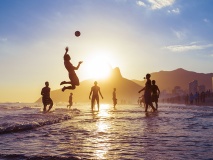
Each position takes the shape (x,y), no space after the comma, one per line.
(77,33)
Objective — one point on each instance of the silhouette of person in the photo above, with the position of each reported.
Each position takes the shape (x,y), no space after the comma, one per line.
(70,101)
(114,97)
(191,98)
(141,100)
(46,100)
(147,93)
(74,81)
(94,91)
(155,93)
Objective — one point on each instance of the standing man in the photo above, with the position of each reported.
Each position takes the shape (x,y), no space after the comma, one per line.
(70,101)
(45,92)
(114,97)
(148,93)
(94,91)
(155,93)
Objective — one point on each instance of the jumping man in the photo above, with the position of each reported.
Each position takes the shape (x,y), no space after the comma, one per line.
(74,81)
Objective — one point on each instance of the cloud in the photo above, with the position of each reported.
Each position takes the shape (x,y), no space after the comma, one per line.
(206,20)
(174,11)
(179,34)
(158,4)
(140,3)
(190,47)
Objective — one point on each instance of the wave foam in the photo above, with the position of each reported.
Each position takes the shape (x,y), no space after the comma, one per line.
(30,118)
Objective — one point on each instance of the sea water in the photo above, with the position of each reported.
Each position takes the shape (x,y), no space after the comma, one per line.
(125,132)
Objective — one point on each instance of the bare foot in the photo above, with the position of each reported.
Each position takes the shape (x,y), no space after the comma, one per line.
(63,89)
(63,82)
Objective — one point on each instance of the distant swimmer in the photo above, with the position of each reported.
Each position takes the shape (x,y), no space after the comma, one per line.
(70,101)
(147,93)
(95,91)
(74,81)
(45,92)
(155,93)
(114,98)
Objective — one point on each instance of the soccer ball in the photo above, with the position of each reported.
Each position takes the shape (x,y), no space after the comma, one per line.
(77,33)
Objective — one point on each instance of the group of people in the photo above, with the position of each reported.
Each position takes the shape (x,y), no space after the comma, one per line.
(95,91)
(151,91)
(74,81)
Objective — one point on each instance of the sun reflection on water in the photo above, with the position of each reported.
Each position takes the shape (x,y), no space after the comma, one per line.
(104,111)
(102,132)
(102,127)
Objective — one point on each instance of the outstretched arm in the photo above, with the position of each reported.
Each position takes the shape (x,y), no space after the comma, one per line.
(66,50)
(141,90)
(79,63)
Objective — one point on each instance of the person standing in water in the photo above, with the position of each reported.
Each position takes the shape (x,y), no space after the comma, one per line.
(46,100)
(141,100)
(70,101)
(95,91)
(155,93)
(74,81)
(114,98)
(147,93)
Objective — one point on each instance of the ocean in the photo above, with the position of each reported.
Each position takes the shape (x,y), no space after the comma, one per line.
(175,132)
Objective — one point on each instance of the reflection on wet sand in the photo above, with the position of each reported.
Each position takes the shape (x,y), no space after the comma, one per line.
(101,130)
(125,133)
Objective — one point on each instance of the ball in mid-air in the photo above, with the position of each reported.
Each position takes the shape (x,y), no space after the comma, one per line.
(77,33)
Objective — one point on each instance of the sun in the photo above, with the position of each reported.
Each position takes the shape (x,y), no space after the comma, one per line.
(98,66)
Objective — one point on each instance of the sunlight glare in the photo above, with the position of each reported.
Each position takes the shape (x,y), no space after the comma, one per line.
(99,66)
(103,113)
(103,125)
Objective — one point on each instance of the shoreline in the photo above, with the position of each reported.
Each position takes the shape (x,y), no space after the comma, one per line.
(180,100)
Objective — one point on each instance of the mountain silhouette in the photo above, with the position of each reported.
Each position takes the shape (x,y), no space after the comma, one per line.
(127,90)
(167,80)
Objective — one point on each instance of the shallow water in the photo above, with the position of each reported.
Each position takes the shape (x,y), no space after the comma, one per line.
(127,132)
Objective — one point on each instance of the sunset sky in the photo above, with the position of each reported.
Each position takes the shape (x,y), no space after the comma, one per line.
(138,36)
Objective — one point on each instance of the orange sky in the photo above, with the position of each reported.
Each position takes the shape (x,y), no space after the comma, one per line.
(139,37)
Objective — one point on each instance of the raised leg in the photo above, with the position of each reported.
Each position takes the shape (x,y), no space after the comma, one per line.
(69,87)
(65,82)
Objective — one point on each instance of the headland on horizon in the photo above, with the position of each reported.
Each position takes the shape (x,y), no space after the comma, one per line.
(171,84)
